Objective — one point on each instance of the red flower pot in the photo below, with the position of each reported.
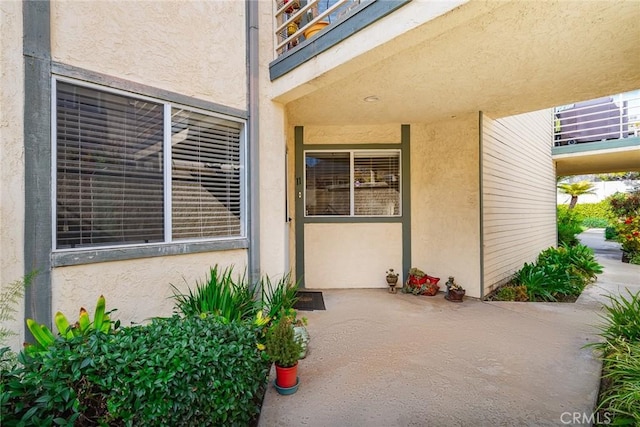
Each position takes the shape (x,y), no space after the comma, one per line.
(287,377)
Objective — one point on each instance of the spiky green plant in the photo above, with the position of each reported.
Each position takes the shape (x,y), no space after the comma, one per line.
(278,297)
(220,295)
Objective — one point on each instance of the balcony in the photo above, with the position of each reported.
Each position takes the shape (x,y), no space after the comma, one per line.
(598,135)
(610,118)
(306,28)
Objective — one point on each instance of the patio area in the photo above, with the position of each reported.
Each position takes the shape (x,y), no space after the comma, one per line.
(378,359)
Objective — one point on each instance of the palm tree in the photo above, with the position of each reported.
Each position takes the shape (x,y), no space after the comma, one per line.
(576,189)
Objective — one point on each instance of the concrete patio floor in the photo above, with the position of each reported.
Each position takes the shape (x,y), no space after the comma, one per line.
(378,359)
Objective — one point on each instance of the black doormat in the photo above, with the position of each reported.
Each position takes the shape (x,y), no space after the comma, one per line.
(309,301)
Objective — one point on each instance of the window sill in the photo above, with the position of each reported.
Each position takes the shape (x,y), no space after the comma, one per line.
(94,255)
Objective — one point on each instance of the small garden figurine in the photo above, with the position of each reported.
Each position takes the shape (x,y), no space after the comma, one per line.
(454,292)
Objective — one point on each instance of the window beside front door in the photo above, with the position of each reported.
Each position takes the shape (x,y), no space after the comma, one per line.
(355,183)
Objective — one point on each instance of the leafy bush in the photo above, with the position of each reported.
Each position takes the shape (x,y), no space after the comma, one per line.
(626,212)
(558,272)
(568,226)
(506,293)
(192,371)
(610,233)
(594,222)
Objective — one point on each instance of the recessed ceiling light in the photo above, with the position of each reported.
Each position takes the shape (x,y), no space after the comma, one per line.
(371,98)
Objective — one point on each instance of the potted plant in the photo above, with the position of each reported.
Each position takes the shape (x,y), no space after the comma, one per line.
(283,349)
(454,292)
(420,283)
(392,280)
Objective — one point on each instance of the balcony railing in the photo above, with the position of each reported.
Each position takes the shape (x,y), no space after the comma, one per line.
(609,118)
(300,20)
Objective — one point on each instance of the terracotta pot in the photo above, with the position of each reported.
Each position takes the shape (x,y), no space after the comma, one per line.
(287,377)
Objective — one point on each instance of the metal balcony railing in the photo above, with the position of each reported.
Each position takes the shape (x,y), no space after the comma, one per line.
(300,20)
(608,118)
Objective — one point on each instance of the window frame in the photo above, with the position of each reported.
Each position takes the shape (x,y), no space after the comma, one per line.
(352,155)
(169,246)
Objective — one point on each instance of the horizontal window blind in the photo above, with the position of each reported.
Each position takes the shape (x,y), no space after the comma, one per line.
(206,176)
(376,183)
(109,187)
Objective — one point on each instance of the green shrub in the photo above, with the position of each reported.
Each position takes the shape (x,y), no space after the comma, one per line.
(610,233)
(593,210)
(192,371)
(620,352)
(506,293)
(590,222)
(279,297)
(568,226)
(621,371)
(220,295)
(622,318)
(558,272)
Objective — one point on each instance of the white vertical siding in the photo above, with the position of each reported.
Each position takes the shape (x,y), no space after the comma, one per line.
(518,192)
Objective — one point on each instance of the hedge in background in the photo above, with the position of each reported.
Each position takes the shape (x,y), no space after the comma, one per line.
(191,371)
(592,215)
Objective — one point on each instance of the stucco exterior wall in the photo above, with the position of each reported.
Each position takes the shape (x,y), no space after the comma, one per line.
(12,158)
(351,255)
(377,134)
(138,289)
(274,225)
(445,200)
(519,192)
(196,48)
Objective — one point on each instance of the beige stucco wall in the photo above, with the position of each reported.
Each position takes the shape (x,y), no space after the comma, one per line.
(274,227)
(196,48)
(445,200)
(519,192)
(351,255)
(12,157)
(376,134)
(138,289)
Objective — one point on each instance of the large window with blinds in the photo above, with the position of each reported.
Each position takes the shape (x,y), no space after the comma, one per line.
(352,183)
(132,170)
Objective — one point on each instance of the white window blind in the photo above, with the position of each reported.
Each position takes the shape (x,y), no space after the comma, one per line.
(110,177)
(352,183)
(107,193)
(206,176)
(376,181)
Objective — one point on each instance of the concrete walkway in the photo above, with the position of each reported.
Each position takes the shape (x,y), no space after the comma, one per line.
(378,359)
